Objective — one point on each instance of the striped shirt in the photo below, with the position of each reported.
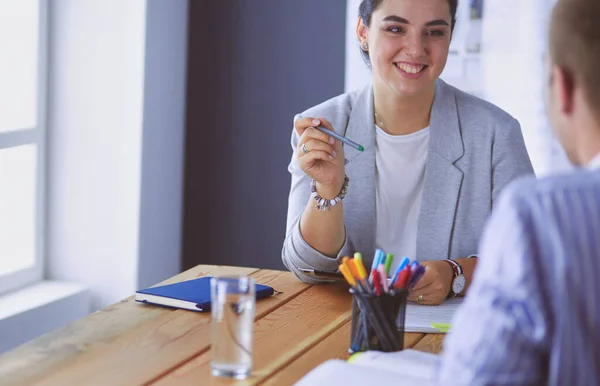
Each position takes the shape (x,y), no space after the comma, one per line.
(532,314)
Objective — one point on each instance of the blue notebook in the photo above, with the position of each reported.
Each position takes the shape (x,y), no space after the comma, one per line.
(190,295)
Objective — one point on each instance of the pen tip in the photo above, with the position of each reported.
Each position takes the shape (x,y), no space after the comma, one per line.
(361,148)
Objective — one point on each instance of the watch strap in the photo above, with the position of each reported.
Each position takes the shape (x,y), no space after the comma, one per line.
(456,268)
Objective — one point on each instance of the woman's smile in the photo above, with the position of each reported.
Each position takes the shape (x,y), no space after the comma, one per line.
(411,70)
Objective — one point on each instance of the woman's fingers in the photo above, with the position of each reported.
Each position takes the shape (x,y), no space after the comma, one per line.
(325,123)
(427,295)
(310,158)
(314,140)
(306,129)
(313,133)
(319,154)
(414,293)
(337,145)
(302,124)
(315,145)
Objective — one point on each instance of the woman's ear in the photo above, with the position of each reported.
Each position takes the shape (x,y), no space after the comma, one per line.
(362,32)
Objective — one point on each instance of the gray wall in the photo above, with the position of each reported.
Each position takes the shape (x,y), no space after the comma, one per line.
(163,141)
(252,65)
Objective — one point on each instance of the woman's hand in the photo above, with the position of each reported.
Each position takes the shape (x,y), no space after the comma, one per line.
(434,286)
(320,156)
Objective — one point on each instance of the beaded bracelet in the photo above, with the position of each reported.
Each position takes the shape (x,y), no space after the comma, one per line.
(324,204)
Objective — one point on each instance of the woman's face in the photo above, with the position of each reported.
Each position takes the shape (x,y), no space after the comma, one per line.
(408,43)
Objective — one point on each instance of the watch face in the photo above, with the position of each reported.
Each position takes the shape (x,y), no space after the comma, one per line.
(458,285)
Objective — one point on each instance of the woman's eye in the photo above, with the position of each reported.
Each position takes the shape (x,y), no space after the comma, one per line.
(396,29)
(435,33)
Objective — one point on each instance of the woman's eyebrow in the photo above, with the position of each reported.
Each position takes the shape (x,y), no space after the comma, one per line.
(402,20)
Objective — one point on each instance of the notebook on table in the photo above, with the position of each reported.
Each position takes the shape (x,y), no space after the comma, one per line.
(191,295)
(403,368)
(431,319)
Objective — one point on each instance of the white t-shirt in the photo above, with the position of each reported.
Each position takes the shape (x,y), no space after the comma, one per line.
(400,174)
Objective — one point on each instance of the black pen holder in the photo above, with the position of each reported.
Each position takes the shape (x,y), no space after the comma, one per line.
(377,321)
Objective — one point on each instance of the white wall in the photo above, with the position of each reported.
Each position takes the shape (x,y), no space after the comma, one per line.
(357,73)
(514,73)
(115,143)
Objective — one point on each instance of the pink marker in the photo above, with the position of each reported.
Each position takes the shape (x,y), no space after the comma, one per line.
(383,276)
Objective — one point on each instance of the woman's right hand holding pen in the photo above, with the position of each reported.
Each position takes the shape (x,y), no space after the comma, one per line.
(320,156)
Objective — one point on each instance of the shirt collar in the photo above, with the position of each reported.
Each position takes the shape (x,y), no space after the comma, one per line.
(594,163)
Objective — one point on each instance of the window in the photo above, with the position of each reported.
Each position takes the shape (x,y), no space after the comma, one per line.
(23,33)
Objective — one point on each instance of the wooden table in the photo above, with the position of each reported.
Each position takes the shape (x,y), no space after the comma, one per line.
(132,344)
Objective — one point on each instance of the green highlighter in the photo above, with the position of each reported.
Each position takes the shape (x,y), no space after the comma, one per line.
(388,262)
(354,356)
(441,327)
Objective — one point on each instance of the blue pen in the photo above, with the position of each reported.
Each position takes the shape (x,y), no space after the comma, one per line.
(403,264)
(340,138)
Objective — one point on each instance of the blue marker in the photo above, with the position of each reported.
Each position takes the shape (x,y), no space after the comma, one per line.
(374,264)
(381,258)
(403,264)
(377,259)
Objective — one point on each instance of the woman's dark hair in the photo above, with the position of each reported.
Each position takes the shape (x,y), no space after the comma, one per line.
(367,7)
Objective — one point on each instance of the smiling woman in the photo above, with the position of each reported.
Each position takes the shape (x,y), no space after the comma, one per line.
(435,158)
(402,38)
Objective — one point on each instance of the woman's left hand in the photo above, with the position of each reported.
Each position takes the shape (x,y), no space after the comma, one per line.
(434,286)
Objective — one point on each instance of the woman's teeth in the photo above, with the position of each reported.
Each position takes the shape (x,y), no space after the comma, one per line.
(409,68)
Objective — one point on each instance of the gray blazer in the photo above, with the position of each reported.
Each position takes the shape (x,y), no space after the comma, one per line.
(475,150)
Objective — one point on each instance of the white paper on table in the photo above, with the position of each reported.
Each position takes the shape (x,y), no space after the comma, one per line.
(403,368)
(419,317)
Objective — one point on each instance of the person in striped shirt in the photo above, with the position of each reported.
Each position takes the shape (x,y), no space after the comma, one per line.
(533,312)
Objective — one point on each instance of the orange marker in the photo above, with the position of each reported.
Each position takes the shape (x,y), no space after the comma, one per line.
(345,270)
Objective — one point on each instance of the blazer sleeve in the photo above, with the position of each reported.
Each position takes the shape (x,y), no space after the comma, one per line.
(296,252)
(510,159)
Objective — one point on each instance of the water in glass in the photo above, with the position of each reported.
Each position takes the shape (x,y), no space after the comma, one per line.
(231,329)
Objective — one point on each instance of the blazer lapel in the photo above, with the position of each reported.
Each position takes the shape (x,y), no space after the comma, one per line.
(442,179)
(359,203)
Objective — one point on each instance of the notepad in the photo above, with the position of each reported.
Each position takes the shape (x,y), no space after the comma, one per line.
(407,367)
(430,319)
(191,295)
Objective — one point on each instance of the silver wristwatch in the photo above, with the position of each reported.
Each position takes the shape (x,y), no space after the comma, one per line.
(459,282)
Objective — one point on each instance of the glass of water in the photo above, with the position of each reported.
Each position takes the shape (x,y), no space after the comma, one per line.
(232,304)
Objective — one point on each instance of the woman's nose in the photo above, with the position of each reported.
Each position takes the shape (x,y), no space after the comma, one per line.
(415,47)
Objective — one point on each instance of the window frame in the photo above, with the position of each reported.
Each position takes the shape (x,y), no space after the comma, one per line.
(36,135)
